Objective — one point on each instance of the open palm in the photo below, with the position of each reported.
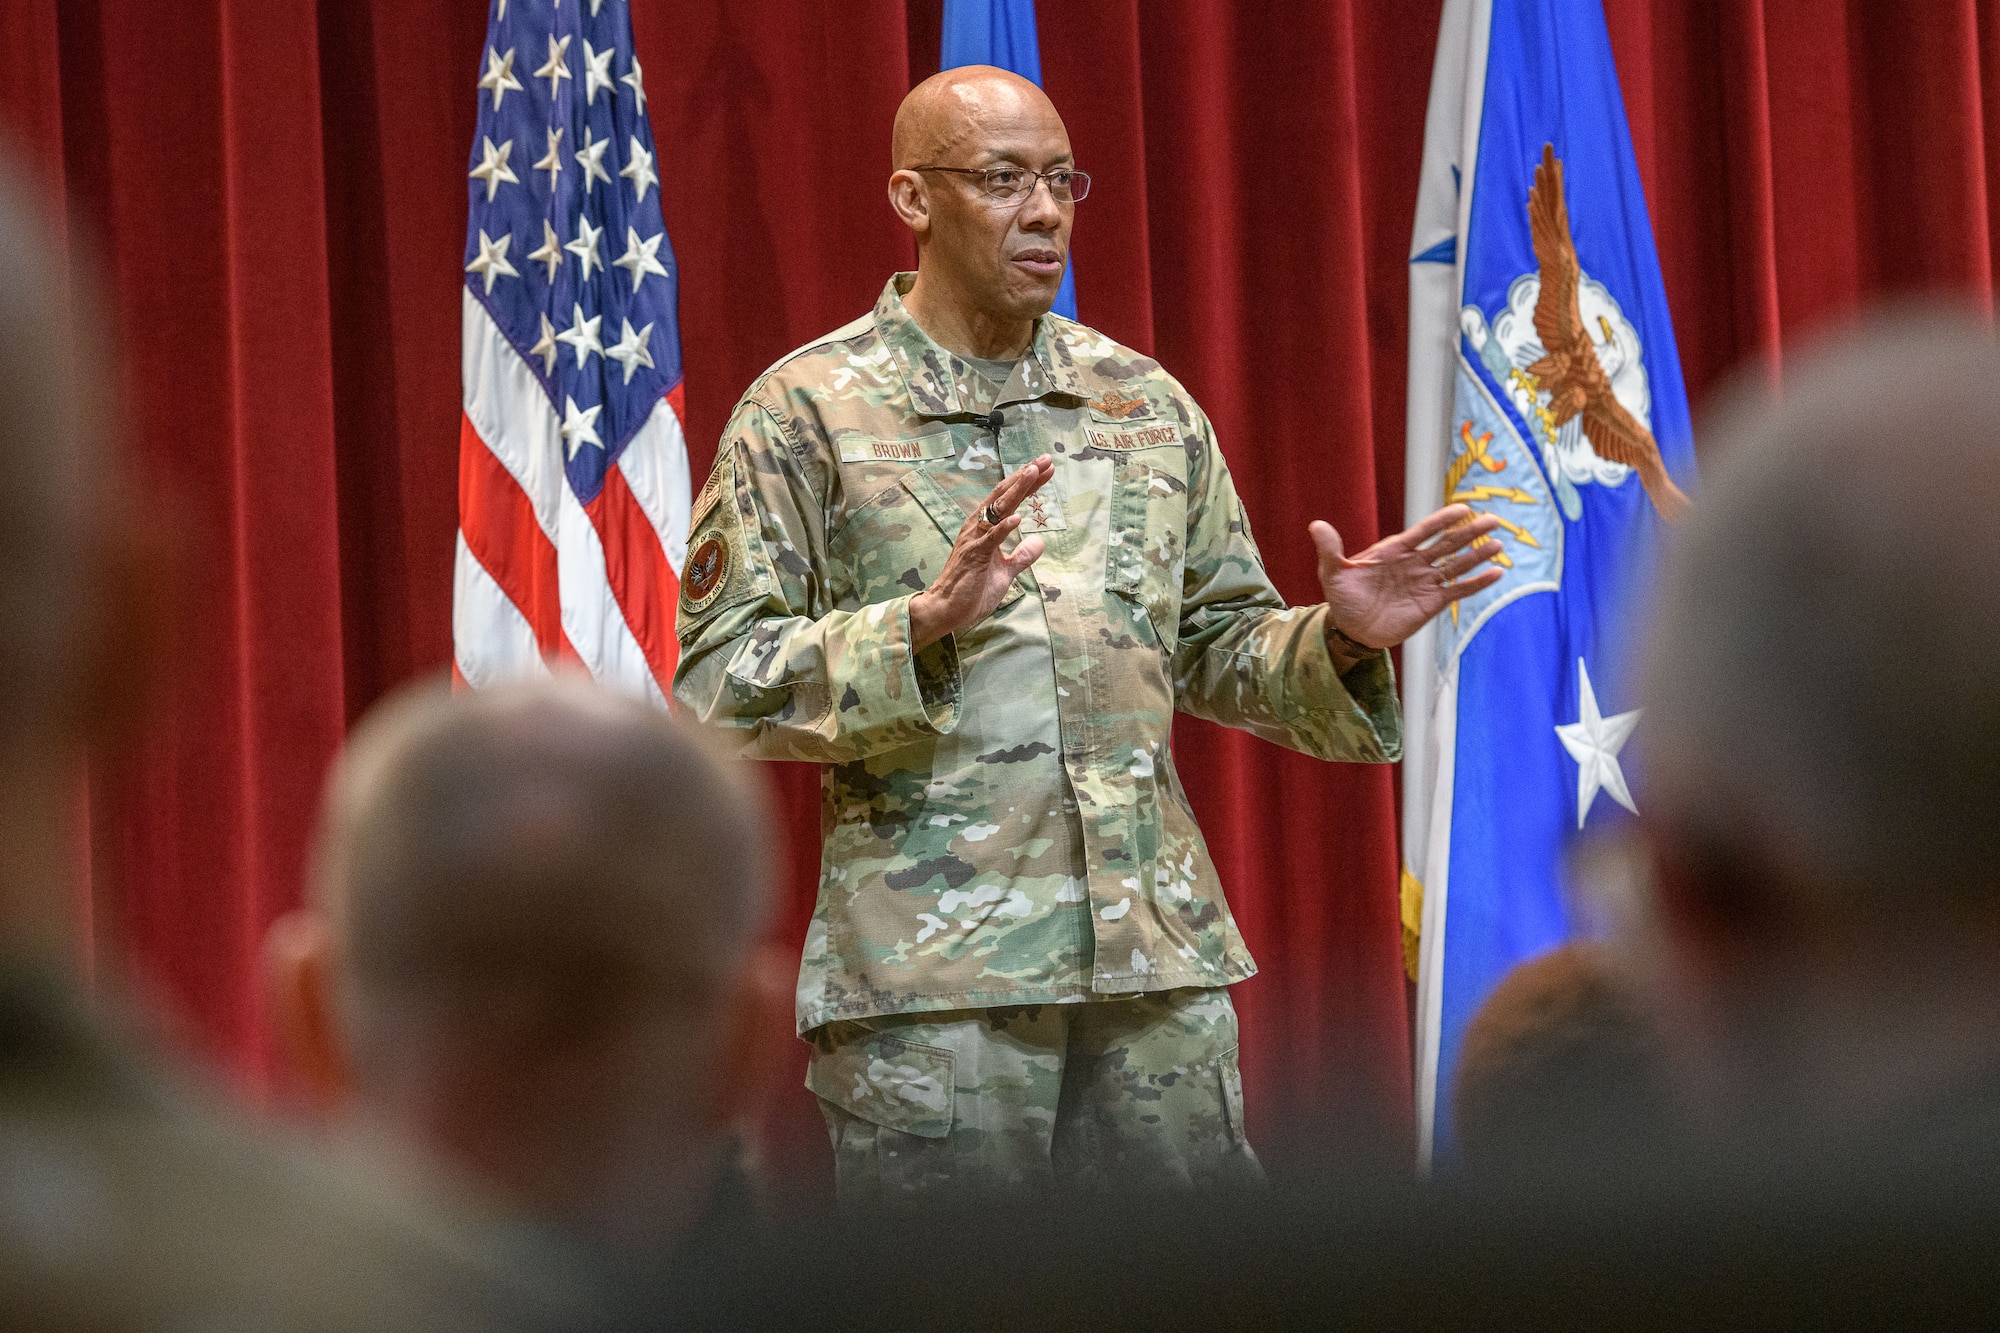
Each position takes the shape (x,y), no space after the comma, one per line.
(1388,592)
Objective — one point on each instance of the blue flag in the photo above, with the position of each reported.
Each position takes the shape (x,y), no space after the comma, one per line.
(1001,33)
(1545,389)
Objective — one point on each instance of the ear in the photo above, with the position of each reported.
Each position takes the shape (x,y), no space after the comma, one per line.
(299,983)
(911,201)
(754,1035)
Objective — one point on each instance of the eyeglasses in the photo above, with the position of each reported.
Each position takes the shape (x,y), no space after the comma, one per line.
(1010,185)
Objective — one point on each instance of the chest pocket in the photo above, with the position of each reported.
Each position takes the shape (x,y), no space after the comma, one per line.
(895,539)
(1147,552)
(950,496)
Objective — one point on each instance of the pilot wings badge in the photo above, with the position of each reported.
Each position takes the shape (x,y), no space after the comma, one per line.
(1586,401)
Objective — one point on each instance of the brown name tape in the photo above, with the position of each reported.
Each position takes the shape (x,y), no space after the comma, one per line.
(935,445)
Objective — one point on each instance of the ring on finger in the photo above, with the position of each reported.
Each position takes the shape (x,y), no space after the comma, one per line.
(990,516)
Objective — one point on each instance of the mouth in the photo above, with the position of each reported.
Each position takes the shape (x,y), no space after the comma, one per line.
(1040,260)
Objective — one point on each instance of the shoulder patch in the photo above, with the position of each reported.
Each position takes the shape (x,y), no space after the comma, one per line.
(715,552)
(707,570)
(719,476)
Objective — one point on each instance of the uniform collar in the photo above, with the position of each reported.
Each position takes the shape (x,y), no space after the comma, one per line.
(1046,370)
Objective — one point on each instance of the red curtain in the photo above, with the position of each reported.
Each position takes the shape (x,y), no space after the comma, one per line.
(276,188)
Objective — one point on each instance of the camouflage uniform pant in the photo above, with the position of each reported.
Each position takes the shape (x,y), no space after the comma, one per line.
(1141,1091)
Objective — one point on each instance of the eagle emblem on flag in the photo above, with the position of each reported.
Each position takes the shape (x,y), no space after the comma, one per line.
(1572,364)
(1570,372)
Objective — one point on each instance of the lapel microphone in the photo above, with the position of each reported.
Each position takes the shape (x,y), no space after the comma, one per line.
(992,422)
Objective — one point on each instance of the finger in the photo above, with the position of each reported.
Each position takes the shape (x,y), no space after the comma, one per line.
(1001,501)
(1029,551)
(1460,536)
(1426,528)
(1468,586)
(1467,561)
(985,541)
(1332,555)
(1007,496)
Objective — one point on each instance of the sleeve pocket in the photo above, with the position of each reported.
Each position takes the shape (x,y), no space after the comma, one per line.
(887,1081)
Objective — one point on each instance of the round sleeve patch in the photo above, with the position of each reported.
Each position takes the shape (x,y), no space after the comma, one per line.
(707,570)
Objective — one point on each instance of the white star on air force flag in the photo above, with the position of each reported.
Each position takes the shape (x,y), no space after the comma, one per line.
(1594,742)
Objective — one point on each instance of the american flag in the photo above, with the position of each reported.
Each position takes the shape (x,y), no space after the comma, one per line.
(573,478)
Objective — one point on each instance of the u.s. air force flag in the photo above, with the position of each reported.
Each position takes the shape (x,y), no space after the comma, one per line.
(1545,390)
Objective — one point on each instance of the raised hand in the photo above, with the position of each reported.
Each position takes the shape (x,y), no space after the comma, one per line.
(977,572)
(1388,592)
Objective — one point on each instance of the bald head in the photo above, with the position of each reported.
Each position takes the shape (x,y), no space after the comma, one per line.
(533,955)
(538,862)
(1819,701)
(959,107)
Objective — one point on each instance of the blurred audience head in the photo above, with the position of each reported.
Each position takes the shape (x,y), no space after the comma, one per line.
(80,569)
(1821,738)
(127,1200)
(532,952)
(1562,1068)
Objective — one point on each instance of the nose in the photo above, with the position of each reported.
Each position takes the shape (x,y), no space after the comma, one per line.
(1040,211)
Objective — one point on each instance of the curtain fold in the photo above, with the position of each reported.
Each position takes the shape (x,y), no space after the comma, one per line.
(276,189)
(1279,205)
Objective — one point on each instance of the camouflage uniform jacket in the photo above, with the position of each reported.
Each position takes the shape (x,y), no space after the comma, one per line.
(1001,817)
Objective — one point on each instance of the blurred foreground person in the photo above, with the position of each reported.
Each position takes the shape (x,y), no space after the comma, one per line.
(127,1202)
(531,957)
(1821,743)
(1563,1069)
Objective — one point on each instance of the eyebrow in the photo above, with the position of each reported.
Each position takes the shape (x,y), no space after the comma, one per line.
(997,157)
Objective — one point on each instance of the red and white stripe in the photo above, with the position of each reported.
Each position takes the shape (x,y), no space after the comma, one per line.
(540,576)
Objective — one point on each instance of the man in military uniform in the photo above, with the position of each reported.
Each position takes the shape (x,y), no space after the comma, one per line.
(1016,971)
